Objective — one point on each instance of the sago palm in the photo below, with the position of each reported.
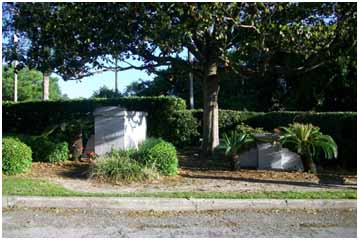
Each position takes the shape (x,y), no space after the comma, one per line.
(235,143)
(308,141)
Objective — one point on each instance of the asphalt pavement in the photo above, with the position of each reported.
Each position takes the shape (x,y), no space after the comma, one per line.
(99,222)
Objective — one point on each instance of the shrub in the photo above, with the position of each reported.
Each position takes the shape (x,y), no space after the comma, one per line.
(160,154)
(118,166)
(246,129)
(16,156)
(307,141)
(59,152)
(228,119)
(45,150)
(182,129)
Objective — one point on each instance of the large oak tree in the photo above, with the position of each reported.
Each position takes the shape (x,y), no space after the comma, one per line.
(85,38)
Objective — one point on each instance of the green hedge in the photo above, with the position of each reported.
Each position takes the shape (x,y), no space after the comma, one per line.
(16,156)
(18,117)
(168,119)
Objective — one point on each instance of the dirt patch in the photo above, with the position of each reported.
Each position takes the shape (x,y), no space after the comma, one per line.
(67,169)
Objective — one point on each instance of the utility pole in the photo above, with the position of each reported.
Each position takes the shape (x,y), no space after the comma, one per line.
(15,71)
(191,99)
(116,88)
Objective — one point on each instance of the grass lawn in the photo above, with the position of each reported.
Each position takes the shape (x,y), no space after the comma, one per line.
(22,186)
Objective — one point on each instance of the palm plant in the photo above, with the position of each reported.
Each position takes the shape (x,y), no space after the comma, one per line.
(308,141)
(234,144)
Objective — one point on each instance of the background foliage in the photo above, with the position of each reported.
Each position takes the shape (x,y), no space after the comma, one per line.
(29,85)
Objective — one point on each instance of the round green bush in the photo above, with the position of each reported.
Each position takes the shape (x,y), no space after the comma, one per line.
(16,156)
(59,152)
(160,154)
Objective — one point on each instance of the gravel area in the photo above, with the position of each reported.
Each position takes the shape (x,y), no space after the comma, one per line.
(241,223)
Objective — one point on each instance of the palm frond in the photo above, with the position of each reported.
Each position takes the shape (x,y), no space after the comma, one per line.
(307,139)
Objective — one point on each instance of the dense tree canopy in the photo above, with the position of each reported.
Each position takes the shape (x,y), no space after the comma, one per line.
(286,49)
(272,72)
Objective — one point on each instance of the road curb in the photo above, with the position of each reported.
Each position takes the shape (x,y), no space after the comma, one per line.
(171,204)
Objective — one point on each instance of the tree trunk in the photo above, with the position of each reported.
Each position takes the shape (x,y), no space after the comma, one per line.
(235,164)
(45,87)
(190,75)
(210,111)
(15,83)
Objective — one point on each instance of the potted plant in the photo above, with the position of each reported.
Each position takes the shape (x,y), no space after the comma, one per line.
(234,144)
(308,141)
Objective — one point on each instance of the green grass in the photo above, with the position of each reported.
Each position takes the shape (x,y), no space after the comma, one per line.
(22,186)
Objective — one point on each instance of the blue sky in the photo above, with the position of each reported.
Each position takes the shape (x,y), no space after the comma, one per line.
(88,85)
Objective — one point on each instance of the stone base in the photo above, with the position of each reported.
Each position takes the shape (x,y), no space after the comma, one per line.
(249,159)
(270,157)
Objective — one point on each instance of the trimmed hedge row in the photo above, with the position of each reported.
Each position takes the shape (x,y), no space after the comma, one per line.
(341,126)
(33,117)
(168,119)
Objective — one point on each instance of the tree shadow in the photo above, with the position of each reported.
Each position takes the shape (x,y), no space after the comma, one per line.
(77,171)
(327,184)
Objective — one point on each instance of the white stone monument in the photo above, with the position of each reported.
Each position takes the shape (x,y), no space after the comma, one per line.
(116,128)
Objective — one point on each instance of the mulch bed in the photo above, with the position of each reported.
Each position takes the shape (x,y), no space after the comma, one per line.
(192,167)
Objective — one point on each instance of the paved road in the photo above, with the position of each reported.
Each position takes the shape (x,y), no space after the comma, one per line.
(26,222)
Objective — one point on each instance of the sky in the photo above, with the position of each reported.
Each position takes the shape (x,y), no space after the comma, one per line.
(85,88)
